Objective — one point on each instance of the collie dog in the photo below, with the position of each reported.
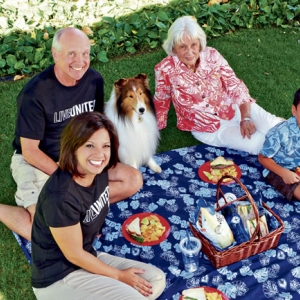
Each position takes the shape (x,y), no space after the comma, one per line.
(132,111)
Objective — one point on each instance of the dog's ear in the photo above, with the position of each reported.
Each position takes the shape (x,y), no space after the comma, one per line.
(143,77)
(120,83)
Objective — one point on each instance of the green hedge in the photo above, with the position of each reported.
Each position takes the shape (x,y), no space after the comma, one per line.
(25,53)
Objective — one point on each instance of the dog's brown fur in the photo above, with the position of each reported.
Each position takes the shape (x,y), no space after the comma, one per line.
(127,90)
(132,111)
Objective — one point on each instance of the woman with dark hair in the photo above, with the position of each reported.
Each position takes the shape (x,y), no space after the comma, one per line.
(70,213)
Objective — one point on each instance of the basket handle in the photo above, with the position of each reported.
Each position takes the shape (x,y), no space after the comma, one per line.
(247,195)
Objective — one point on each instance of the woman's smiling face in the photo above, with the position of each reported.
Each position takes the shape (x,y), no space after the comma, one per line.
(188,51)
(93,156)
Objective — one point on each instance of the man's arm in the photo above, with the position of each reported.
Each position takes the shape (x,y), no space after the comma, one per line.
(37,158)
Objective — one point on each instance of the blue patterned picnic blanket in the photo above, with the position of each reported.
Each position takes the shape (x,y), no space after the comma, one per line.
(173,194)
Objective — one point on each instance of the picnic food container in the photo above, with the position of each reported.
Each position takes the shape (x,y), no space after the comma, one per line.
(256,244)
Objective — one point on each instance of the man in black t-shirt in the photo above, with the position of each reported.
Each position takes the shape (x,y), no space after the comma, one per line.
(45,106)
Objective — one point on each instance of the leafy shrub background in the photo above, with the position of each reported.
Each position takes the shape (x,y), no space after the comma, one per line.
(27,29)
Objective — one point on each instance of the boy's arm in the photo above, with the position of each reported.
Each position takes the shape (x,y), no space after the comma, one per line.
(289,177)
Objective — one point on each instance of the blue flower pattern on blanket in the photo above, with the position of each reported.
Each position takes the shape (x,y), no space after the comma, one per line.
(174,194)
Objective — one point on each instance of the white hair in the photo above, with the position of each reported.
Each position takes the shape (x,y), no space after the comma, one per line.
(55,42)
(186,26)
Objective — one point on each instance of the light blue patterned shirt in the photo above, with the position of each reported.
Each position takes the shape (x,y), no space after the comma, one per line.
(282,143)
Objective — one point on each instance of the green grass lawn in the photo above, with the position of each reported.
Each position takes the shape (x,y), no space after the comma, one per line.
(267,60)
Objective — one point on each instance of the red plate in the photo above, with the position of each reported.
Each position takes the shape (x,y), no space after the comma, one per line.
(206,167)
(208,289)
(162,220)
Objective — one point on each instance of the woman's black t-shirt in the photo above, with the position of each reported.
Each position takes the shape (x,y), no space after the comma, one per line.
(62,202)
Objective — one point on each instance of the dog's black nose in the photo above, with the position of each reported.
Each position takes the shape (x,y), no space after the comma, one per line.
(142,110)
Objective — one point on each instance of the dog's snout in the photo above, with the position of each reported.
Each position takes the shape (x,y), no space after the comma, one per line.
(141,110)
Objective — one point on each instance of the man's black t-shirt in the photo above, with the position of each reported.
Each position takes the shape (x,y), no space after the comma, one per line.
(62,202)
(45,107)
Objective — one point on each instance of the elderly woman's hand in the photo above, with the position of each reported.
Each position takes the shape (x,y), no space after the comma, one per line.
(247,127)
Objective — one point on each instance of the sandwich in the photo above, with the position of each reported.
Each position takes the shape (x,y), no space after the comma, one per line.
(134,230)
(220,163)
(220,167)
(194,294)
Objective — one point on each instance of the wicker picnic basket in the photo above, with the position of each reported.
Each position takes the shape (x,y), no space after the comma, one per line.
(253,246)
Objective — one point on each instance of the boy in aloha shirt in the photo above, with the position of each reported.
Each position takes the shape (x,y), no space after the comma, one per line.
(280,154)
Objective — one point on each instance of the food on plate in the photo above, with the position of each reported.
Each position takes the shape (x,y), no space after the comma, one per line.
(213,296)
(220,167)
(298,170)
(200,294)
(148,229)
(151,228)
(220,163)
(209,176)
(134,230)
(194,294)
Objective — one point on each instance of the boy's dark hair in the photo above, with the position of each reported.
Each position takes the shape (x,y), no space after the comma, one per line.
(77,132)
(296,98)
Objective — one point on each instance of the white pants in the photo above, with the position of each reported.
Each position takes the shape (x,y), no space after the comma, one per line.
(82,285)
(229,133)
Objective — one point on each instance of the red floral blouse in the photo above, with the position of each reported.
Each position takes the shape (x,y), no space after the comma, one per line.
(200,98)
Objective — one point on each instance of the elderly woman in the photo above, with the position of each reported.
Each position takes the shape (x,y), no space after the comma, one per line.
(209,100)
